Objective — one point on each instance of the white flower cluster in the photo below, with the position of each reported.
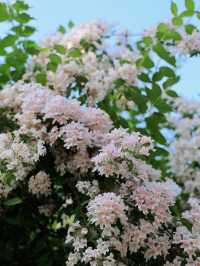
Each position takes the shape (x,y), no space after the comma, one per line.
(40,184)
(185,146)
(91,70)
(18,156)
(80,141)
(190,43)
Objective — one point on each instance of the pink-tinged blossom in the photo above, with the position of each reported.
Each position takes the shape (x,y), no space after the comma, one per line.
(40,184)
(96,119)
(19,156)
(189,241)
(134,142)
(76,135)
(14,95)
(185,144)
(156,198)
(176,262)
(108,162)
(135,236)
(61,110)
(190,43)
(91,31)
(127,72)
(119,156)
(157,246)
(105,209)
(35,100)
(79,163)
(88,188)
(63,77)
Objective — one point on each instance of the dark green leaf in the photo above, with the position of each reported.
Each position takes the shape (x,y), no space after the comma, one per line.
(154,93)
(30,47)
(7,41)
(144,77)
(171,93)
(134,94)
(160,152)
(13,201)
(23,30)
(23,18)
(171,81)
(164,54)
(163,106)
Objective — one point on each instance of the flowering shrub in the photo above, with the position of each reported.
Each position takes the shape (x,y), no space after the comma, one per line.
(86,173)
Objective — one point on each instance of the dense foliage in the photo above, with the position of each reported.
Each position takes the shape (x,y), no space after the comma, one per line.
(99,156)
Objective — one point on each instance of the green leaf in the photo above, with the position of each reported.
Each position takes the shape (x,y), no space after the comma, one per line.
(153,123)
(198,15)
(41,78)
(169,34)
(187,13)
(171,81)
(61,29)
(55,59)
(144,77)
(177,21)
(7,41)
(23,18)
(164,54)
(13,201)
(23,30)
(147,62)
(134,94)
(189,28)
(189,4)
(16,58)
(162,27)
(20,6)
(75,52)
(30,47)
(167,71)
(186,223)
(147,41)
(172,93)
(60,49)
(174,8)
(173,35)
(157,76)
(70,24)
(154,93)
(160,152)
(163,106)
(4,13)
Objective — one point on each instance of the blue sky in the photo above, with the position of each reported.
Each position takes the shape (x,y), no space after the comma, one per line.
(135,15)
